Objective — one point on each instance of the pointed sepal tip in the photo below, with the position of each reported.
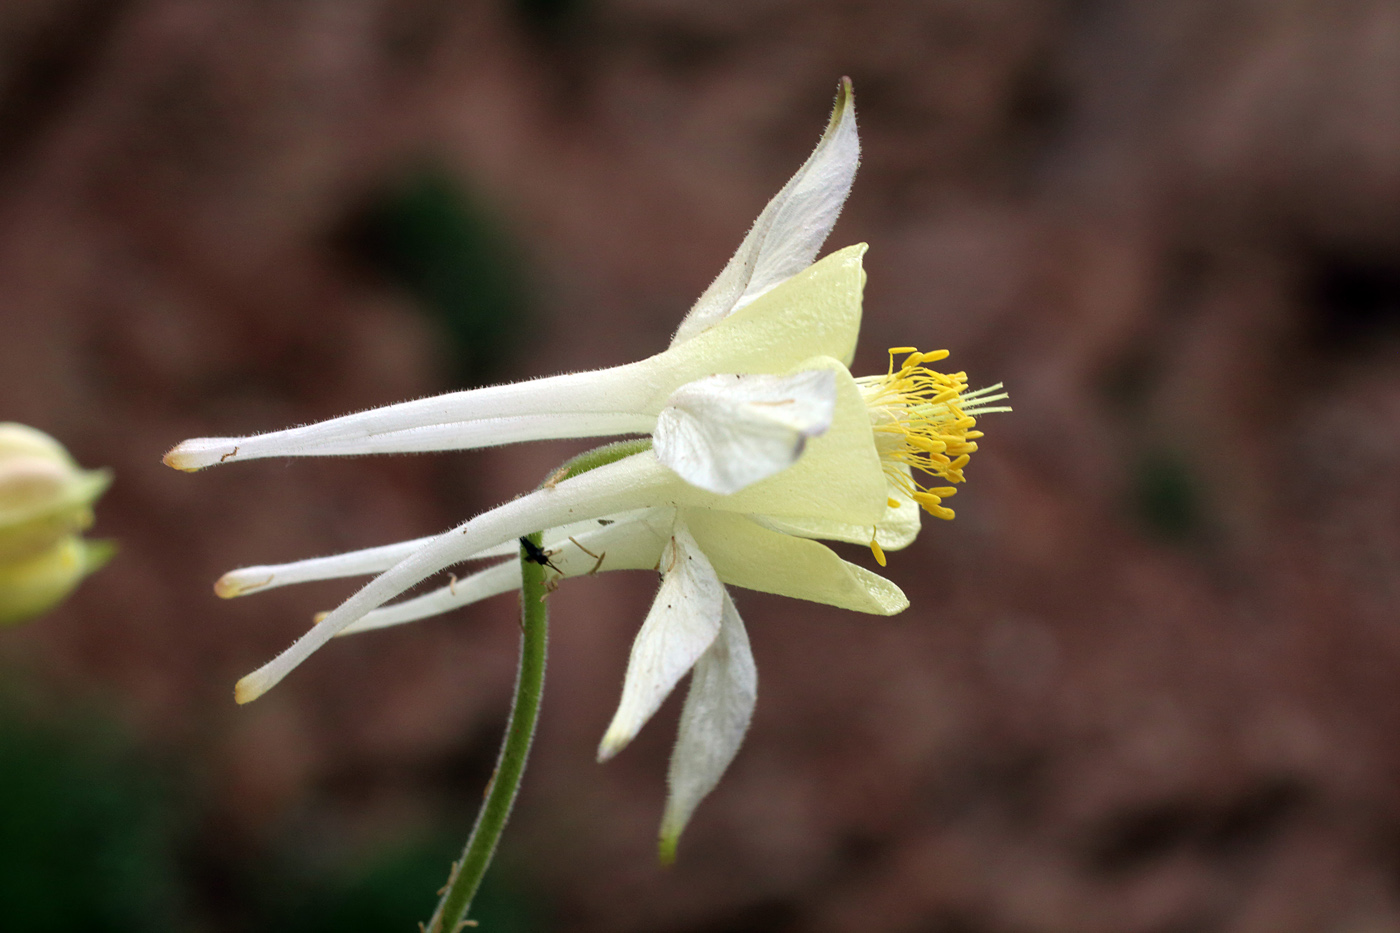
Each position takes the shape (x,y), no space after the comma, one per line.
(666,849)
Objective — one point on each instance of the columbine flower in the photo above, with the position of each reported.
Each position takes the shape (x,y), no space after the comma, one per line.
(45,503)
(855,482)
(761,440)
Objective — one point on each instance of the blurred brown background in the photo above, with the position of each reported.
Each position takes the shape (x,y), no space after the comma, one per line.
(1148,683)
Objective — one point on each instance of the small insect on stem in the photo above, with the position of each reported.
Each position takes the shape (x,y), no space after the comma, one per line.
(538,555)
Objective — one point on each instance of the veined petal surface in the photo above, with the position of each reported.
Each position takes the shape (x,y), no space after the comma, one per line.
(683,622)
(792,227)
(725,432)
(718,708)
(838,476)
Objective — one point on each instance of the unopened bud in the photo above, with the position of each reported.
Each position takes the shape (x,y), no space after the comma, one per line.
(45,501)
(32,587)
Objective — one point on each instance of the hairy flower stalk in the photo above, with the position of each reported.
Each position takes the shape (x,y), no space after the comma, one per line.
(760,443)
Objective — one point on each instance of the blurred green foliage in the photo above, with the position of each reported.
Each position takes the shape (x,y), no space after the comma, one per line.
(96,838)
(550,19)
(87,840)
(428,236)
(389,890)
(1169,497)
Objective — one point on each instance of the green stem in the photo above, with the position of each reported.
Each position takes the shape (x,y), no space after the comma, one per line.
(598,456)
(466,875)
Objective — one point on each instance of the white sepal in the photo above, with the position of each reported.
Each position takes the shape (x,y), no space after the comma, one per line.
(787,235)
(683,621)
(723,691)
(723,433)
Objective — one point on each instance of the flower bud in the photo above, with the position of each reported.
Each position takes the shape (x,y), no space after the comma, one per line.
(45,501)
(32,587)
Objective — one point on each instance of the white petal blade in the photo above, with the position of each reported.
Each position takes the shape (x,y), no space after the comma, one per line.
(814,201)
(723,433)
(683,621)
(792,227)
(718,708)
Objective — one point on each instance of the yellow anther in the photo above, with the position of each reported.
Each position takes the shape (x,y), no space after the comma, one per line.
(878,551)
(929,444)
(892,502)
(925,420)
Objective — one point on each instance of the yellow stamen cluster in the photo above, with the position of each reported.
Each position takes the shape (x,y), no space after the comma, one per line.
(921,422)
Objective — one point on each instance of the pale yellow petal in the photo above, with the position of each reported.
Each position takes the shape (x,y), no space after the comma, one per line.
(896,529)
(745,554)
(814,313)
